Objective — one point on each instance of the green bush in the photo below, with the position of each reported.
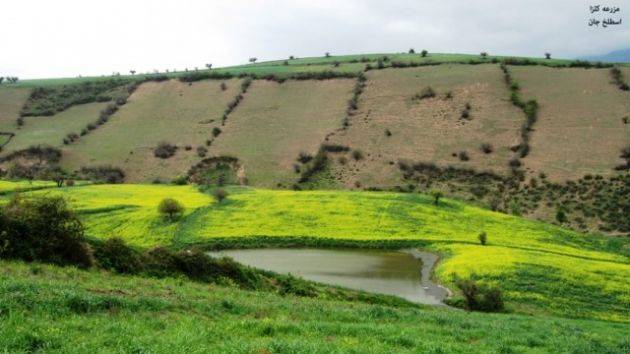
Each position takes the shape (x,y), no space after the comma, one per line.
(220,194)
(483,238)
(480,298)
(43,229)
(164,150)
(115,255)
(170,208)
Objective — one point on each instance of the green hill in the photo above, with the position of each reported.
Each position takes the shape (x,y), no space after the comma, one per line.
(51,309)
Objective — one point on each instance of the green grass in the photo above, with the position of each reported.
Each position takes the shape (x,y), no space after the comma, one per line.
(52,130)
(543,269)
(51,309)
(299,65)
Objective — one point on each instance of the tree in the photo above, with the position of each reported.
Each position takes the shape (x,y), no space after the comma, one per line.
(133,72)
(412,51)
(327,55)
(484,55)
(424,53)
(291,57)
(253,60)
(170,208)
(209,65)
(483,238)
(220,194)
(436,194)
(1,79)
(547,55)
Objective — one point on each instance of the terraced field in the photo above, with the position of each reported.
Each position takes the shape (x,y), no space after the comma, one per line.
(534,263)
(11,102)
(52,130)
(392,125)
(171,111)
(275,122)
(580,129)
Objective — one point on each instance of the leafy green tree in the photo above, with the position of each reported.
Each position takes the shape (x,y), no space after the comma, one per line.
(170,208)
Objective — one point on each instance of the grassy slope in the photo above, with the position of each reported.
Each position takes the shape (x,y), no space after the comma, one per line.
(46,308)
(51,130)
(298,65)
(275,122)
(170,111)
(534,263)
(430,130)
(579,129)
(11,102)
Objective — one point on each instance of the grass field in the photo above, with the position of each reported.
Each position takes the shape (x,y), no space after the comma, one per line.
(11,102)
(534,263)
(301,65)
(170,111)
(51,130)
(275,122)
(51,309)
(431,129)
(580,128)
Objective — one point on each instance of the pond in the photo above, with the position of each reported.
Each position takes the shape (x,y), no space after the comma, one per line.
(406,273)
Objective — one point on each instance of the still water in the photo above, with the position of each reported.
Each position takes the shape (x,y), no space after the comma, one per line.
(406,273)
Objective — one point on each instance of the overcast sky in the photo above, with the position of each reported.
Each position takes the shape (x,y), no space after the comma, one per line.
(45,38)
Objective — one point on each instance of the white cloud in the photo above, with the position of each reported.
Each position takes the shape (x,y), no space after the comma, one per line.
(68,37)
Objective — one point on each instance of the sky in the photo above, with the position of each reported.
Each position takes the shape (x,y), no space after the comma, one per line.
(67,38)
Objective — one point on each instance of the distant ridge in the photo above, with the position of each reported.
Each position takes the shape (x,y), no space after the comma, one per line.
(618,56)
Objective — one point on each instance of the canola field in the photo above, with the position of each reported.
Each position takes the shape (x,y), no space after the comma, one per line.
(542,268)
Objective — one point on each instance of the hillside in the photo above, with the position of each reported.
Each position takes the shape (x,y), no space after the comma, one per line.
(528,136)
(51,309)
(533,262)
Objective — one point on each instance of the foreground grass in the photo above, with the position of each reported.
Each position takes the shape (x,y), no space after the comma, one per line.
(47,308)
(543,269)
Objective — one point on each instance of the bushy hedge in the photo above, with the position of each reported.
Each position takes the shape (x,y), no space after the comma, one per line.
(43,229)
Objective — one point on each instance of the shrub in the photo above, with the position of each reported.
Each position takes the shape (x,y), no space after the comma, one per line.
(170,208)
(115,255)
(487,148)
(223,86)
(70,182)
(357,155)
(483,238)
(388,132)
(436,194)
(164,150)
(202,151)
(180,180)
(107,174)
(463,156)
(448,95)
(304,157)
(43,229)
(561,216)
(216,131)
(334,148)
(480,298)
(220,194)
(427,92)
